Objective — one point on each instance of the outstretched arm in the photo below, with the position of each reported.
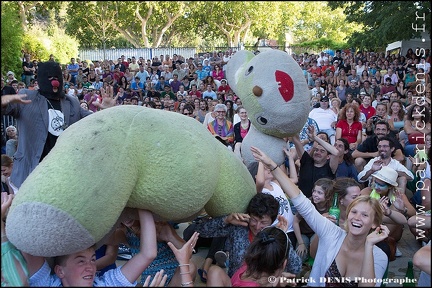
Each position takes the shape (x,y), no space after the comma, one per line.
(298,145)
(148,248)
(259,178)
(285,183)
(14,98)
(291,165)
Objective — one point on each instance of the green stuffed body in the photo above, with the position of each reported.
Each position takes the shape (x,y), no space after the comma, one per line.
(274,92)
(125,156)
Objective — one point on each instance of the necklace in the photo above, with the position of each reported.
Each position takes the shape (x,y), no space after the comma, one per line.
(245,126)
(59,119)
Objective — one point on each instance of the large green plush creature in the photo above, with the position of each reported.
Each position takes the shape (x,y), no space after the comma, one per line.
(274,92)
(125,156)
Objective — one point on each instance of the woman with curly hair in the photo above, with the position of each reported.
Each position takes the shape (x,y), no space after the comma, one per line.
(349,126)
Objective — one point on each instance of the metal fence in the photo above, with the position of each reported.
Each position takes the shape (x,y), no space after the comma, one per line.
(186,52)
(146,53)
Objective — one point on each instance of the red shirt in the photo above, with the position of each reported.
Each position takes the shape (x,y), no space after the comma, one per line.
(349,132)
(369,112)
(222,88)
(196,92)
(118,75)
(316,70)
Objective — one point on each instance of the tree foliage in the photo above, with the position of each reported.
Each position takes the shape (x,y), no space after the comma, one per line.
(202,24)
(11,40)
(384,21)
(39,44)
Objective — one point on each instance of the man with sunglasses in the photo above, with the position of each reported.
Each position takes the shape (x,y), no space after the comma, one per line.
(386,148)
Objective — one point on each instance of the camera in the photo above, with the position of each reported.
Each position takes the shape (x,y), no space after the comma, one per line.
(375,118)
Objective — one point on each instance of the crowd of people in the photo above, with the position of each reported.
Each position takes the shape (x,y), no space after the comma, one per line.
(366,146)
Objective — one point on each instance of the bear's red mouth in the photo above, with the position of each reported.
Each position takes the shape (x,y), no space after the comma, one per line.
(286,85)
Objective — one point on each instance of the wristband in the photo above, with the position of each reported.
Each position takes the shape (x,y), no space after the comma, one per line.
(301,244)
(187,283)
(271,170)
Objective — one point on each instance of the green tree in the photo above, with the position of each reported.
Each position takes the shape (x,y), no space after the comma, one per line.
(11,39)
(317,20)
(385,21)
(31,11)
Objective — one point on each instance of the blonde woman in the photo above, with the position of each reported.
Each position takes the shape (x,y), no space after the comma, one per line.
(346,253)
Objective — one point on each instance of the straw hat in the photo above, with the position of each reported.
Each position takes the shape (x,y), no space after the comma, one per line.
(387,174)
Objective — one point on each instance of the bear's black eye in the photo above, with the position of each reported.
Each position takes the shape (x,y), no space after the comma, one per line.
(249,71)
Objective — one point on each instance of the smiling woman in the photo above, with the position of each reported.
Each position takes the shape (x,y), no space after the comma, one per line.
(337,256)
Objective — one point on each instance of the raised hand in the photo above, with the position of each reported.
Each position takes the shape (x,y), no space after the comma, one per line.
(184,254)
(262,157)
(311,132)
(159,280)
(283,223)
(377,165)
(399,203)
(380,233)
(239,219)
(14,98)
(384,205)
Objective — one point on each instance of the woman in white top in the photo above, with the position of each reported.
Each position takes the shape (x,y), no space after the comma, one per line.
(346,254)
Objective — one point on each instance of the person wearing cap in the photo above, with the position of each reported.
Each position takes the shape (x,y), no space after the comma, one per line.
(352,88)
(325,118)
(384,187)
(10,77)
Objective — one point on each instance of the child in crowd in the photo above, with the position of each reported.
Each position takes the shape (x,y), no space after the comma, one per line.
(322,196)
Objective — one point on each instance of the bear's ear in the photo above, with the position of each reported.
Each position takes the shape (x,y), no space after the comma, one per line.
(235,66)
